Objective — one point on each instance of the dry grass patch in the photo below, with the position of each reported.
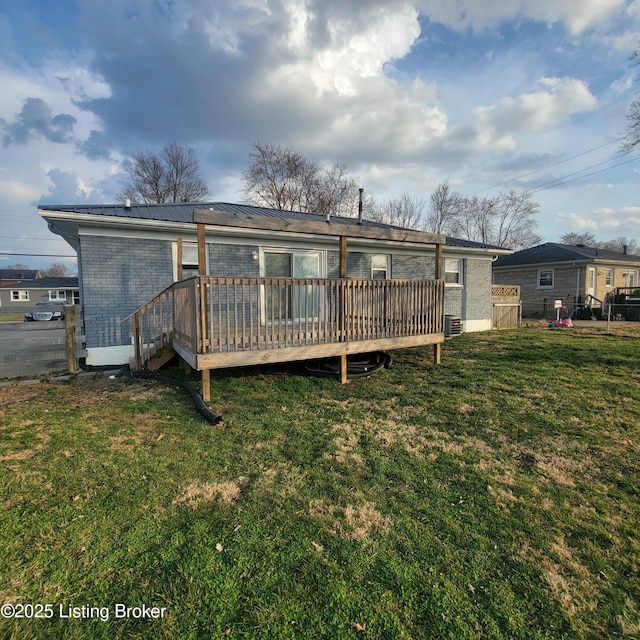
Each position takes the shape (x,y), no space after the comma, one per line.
(353,522)
(211,492)
(15,451)
(281,480)
(144,429)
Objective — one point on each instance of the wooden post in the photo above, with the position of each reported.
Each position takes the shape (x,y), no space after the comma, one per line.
(343,274)
(202,271)
(343,256)
(206,384)
(438,270)
(202,251)
(136,337)
(70,335)
(179,258)
(437,348)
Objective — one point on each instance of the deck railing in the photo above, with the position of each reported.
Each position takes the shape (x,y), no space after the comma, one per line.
(223,315)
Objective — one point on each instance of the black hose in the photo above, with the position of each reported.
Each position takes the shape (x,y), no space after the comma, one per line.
(208,414)
(357,366)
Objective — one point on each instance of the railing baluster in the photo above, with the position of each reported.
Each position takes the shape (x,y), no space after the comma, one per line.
(208,314)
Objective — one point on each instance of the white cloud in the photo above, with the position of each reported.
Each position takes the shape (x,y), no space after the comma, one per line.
(578,15)
(605,222)
(353,50)
(532,112)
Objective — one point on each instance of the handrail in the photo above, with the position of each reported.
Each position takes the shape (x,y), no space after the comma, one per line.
(153,326)
(211,314)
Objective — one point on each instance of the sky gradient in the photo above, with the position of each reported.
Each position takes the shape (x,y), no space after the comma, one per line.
(491,94)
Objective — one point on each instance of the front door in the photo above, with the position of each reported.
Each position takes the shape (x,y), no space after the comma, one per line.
(591,283)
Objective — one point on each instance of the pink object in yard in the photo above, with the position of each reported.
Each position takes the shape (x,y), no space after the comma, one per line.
(561,323)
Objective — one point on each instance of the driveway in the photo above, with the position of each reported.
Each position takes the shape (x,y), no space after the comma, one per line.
(31,348)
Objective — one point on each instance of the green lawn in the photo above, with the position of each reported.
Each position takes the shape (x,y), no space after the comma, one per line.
(493,496)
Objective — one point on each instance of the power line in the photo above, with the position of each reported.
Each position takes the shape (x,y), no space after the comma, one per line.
(37,255)
(26,238)
(558,181)
(553,164)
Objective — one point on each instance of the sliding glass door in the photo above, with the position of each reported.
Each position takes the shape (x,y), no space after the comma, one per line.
(291,302)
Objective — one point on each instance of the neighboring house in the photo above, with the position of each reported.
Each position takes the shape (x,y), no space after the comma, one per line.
(128,255)
(575,274)
(22,296)
(11,276)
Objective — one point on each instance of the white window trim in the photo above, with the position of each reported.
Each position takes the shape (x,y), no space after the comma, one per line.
(460,272)
(386,269)
(322,267)
(20,298)
(174,256)
(610,275)
(546,286)
(54,294)
(322,255)
(631,278)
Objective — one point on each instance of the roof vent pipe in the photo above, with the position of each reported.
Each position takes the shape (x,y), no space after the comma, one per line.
(127,203)
(360,205)
(625,248)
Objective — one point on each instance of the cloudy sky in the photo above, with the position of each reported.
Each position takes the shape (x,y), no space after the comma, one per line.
(492,94)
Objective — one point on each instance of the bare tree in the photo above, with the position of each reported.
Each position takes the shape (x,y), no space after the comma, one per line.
(514,222)
(407,211)
(622,245)
(170,176)
(506,220)
(335,192)
(443,207)
(632,134)
(56,270)
(619,245)
(282,178)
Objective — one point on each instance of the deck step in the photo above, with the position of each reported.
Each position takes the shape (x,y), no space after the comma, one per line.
(160,358)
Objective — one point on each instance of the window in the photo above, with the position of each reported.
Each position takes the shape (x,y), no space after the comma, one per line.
(545,279)
(608,277)
(453,271)
(189,262)
(379,266)
(20,296)
(58,295)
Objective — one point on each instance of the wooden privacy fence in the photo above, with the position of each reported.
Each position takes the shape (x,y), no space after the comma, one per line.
(506,305)
(233,321)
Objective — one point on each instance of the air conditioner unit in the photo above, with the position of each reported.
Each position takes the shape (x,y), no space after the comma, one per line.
(452,326)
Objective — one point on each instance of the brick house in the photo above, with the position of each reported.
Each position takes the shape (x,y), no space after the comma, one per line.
(128,254)
(575,274)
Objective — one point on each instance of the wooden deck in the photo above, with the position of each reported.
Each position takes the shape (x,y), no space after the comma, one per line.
(215,322)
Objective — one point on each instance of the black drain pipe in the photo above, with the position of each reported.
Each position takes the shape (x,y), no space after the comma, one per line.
(208,414)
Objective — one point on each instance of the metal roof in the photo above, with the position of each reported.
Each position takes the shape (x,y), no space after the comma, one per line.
(183,213)
(551,253)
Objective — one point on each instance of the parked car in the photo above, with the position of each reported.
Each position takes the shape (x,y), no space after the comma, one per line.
(46,311)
